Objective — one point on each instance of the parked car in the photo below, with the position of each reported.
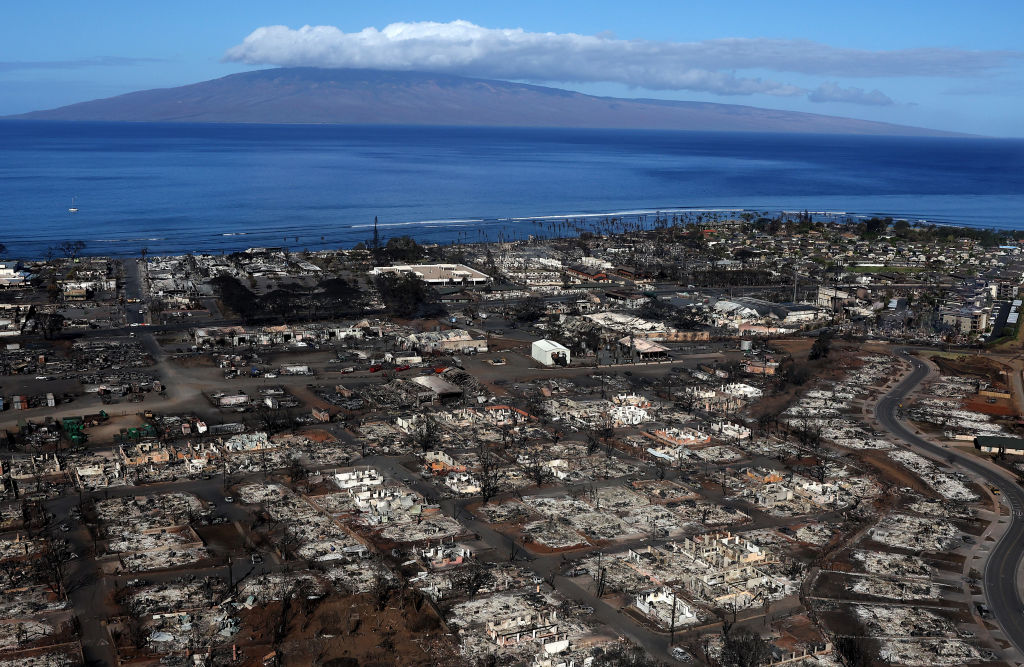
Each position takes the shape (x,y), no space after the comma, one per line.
(375,368)
(403,367)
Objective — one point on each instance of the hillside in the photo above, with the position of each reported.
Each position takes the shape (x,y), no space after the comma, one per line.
(346,96)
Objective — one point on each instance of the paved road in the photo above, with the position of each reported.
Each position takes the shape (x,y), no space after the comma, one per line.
(134,291)
(1001,569)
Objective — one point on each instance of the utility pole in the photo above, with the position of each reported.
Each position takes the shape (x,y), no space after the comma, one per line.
(672,624)
(376,241)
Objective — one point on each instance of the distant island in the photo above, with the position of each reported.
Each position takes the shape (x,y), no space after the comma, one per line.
(360,96)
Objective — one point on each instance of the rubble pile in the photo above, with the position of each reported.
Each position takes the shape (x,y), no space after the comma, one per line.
(905,531)
(306,531)
(92,354)
(828,408)
(150,532)
(946,414)
(951,486)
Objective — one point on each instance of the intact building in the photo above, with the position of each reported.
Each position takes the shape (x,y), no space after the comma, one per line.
(994,444)
(967,320)
(549,353)
(437,274)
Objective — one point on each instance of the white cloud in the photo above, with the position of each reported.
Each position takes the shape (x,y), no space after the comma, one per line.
(463,48)
(832,92)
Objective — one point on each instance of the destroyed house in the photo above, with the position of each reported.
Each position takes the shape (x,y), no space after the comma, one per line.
(620,299)
(644,349)
(450,340)
(439,462)
(587,273)
(663,607)
(445,555)
(719,567)
(142,453)
(441,389)
(524,627)
(362,477)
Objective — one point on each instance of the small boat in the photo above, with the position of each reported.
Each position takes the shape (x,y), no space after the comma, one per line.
(73,208)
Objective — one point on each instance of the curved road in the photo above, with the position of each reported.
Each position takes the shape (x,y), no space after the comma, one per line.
(1001,568)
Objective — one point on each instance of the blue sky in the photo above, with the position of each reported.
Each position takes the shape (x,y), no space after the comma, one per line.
(942,64)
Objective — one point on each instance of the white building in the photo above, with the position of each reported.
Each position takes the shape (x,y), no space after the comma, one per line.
(437,274)
(549,353)
(10,276)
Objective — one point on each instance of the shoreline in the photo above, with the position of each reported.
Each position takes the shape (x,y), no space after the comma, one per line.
(453,231)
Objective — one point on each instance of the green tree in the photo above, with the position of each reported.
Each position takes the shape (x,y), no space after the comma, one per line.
(403,249)
(822,345)
(407,295)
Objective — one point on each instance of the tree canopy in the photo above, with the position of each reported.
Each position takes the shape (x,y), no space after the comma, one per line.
(406,295)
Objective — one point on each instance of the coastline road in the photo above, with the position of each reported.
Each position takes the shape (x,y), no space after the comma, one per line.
(1000,583)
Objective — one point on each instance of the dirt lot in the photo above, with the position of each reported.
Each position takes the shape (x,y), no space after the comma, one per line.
(1001,407)
(195,361)
(972,365)
(353,631)
(895,473)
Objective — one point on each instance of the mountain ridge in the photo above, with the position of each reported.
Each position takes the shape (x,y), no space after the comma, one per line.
(359,96)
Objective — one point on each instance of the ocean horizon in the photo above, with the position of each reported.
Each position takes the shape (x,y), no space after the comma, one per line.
(174,188)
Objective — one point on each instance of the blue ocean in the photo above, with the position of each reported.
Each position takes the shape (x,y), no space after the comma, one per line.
(175,188)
